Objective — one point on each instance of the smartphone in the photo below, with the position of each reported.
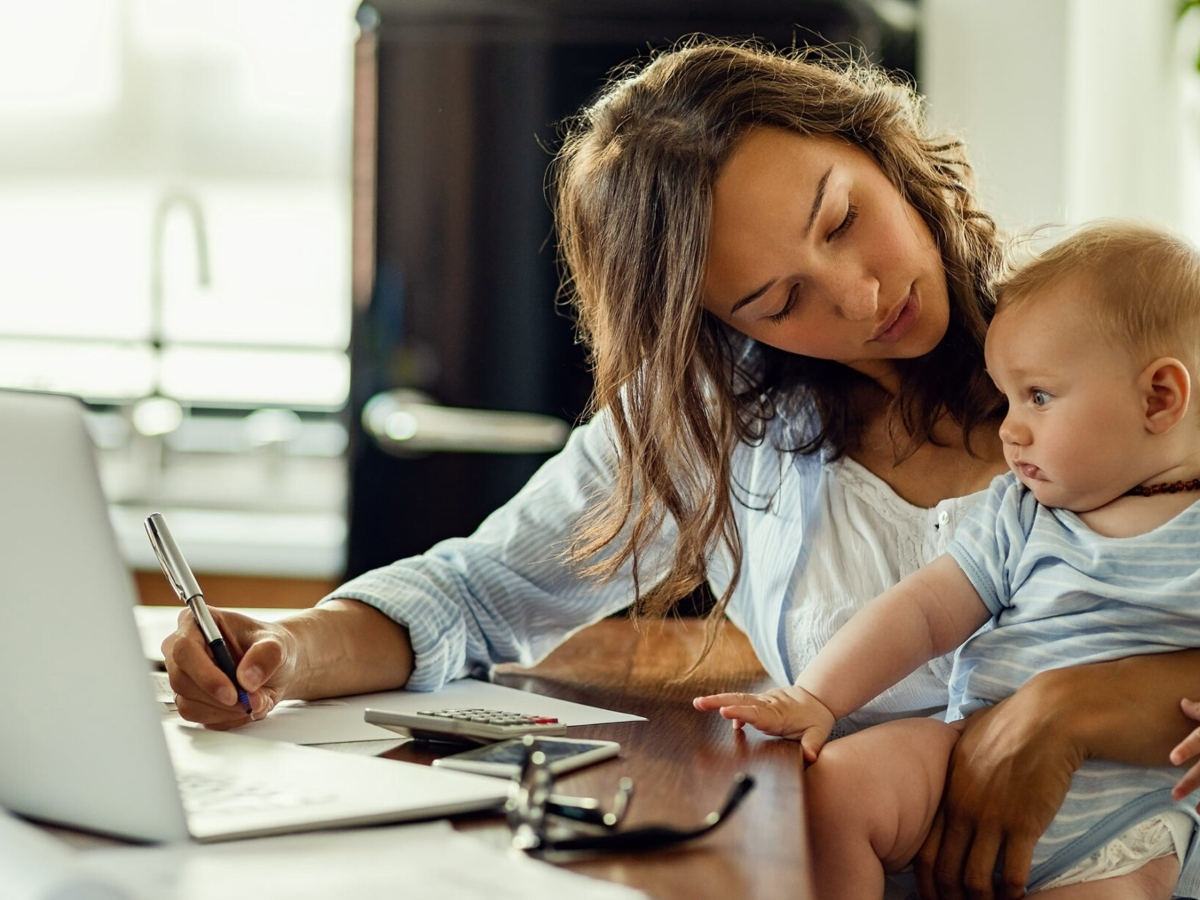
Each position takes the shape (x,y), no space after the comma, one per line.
(504,759)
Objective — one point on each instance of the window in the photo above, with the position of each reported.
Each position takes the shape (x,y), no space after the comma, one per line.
(1187,63)
(175,218)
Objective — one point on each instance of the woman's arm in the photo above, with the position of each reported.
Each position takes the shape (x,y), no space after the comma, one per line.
(1012,767)
(506,593)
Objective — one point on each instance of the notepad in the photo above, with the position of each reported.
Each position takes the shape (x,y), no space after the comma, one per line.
(340,720)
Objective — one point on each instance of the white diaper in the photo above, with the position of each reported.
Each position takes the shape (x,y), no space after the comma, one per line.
(1164,835)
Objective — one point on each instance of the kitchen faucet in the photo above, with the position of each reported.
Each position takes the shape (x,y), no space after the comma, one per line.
(156,414)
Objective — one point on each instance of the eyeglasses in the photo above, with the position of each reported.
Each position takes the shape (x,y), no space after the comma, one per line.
(544,822)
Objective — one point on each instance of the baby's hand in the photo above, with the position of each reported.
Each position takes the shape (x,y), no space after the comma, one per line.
(1185,750)
(791,713)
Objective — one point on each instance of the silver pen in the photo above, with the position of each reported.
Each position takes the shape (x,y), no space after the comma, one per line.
(184,583)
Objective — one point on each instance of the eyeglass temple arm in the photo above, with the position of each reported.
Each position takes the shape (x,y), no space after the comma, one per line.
(587,810)
(652,837)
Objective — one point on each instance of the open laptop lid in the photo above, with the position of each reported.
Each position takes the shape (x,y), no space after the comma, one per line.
(81,737)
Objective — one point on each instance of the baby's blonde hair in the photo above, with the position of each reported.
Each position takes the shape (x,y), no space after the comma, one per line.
(1144,286)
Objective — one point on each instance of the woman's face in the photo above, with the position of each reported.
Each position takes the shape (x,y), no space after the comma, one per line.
(814,251)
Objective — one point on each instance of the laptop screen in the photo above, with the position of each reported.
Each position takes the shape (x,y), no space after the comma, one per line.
(82,739)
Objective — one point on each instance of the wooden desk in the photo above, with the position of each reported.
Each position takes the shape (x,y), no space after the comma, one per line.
(237,590)
(681,761)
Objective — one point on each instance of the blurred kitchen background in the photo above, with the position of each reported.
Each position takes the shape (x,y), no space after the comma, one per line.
(297,257)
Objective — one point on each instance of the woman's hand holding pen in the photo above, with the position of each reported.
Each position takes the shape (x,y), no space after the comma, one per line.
(266,655)
(341,647)
(1012,766)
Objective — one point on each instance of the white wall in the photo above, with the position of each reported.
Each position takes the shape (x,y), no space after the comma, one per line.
(1070,108)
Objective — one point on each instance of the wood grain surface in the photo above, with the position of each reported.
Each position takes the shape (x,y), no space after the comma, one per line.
(681,761)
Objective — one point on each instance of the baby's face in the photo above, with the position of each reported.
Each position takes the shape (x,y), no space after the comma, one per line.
(1075,420)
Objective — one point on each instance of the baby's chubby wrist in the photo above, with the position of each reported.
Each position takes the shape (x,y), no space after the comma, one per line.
(804,691)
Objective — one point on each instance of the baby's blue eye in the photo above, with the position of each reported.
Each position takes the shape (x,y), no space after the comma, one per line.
(1039,398)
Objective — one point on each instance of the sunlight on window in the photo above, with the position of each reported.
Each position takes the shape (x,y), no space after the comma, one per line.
(1187,51)
(76,258)
(211,376)
(265,289)
(58,59)
(104,372)
(149,140)
(298,66)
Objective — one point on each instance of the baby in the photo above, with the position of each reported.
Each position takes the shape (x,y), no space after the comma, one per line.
(1085,551)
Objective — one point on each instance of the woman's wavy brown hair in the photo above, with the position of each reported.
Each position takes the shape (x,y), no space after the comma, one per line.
(633,186)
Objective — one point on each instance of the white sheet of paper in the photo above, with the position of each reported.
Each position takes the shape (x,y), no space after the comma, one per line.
(340,720)
(34,865)
(428,860)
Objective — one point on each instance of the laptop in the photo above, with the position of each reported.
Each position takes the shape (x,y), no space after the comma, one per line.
(83,740)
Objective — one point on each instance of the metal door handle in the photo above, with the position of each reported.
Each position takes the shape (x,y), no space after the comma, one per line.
(405,421)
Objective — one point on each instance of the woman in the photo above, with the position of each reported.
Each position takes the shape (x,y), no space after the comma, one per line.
(784,286)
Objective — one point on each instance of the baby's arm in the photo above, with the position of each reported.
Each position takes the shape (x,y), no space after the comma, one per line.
(927,614)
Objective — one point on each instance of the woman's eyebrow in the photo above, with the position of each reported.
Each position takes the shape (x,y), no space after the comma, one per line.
(817,201)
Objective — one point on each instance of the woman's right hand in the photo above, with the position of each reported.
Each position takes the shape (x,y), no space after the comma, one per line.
(1007,777)
(1186,750)
(266,653)
(340,647)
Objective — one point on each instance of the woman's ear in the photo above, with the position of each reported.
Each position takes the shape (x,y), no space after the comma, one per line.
(1167,389)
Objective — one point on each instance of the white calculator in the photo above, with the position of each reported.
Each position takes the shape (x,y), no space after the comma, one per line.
(475,726)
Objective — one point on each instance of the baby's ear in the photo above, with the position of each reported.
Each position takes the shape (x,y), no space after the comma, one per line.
(1167,391)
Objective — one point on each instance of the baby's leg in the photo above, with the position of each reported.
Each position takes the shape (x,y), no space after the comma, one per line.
(1153,881)
(870,799)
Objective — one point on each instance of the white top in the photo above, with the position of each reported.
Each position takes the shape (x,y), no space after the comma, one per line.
(869,539)
(808,528)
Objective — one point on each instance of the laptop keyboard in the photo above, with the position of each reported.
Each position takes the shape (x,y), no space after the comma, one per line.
(204,792)
(209,792)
